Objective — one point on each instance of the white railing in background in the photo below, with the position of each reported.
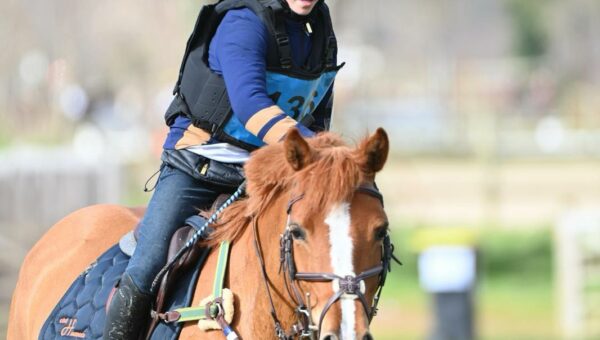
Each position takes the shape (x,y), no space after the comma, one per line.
(577,257)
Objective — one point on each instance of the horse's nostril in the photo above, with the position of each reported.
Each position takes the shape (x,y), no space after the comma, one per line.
(329,337)
(367,336)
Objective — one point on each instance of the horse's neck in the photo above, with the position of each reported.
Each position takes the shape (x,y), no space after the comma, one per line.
(252,319)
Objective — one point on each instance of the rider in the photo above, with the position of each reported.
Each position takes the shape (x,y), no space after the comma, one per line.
(252,69)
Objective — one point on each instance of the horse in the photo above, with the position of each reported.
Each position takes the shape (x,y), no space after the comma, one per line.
(311,219)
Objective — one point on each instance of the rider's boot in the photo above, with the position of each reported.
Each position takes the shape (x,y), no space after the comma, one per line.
(128,313)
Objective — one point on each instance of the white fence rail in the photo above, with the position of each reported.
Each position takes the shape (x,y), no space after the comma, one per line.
(578,273)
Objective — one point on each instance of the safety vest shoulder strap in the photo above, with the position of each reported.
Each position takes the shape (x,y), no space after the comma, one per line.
(331,42)
(211,15)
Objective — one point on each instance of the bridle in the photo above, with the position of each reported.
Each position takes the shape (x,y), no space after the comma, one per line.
(347,286)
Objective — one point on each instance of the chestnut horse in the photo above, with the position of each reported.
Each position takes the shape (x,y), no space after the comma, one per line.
(307,190)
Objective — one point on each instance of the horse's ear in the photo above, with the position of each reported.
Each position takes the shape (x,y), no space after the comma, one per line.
(373,152)
(297,150)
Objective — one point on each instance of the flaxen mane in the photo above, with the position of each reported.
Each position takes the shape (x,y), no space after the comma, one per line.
(332,177)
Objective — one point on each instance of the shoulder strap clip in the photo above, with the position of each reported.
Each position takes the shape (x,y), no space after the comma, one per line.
(330,54)
(283,45)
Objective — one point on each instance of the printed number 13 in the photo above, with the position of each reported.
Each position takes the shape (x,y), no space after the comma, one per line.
(298,102)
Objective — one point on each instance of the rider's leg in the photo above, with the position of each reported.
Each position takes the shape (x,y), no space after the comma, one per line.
(177,196)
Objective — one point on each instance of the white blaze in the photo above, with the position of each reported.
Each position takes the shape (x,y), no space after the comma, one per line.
(341,251)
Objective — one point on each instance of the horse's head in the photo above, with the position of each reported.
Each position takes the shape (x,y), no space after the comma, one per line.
(333,243)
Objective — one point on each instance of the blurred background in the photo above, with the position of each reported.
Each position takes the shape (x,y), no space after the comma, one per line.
(492,106)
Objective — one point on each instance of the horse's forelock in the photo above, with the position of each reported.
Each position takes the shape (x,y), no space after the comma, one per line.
(332,178)
(268,167)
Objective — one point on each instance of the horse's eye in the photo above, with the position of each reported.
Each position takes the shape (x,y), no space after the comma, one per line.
(381,232)
(297,232)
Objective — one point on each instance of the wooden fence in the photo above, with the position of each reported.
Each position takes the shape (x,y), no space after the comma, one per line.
(40,186)
(37,188)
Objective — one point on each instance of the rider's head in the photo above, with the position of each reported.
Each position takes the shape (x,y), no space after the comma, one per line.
(302,7)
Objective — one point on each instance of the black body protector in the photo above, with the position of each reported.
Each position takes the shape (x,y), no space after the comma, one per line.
(200,94)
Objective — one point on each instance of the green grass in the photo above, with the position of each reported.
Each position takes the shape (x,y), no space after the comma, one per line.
(514,295)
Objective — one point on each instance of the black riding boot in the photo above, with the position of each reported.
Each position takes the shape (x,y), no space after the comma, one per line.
(128,313)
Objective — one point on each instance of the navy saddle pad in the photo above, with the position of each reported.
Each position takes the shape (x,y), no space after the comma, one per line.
(81,312)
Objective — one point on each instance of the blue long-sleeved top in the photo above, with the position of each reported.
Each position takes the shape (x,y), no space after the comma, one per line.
(238,52)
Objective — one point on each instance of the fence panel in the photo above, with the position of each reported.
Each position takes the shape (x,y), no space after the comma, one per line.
(578,273)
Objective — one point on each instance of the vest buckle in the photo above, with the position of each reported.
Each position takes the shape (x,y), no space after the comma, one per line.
(282,39)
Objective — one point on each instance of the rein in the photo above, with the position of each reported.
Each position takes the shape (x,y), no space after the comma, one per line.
(201,233)
(347,286)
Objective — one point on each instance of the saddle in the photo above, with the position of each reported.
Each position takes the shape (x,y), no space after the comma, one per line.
(195,256)
(81,312)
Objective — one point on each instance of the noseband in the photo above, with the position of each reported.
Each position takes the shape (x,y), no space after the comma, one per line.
(345,287)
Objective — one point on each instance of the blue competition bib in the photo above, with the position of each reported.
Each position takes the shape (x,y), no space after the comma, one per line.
(296,97)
